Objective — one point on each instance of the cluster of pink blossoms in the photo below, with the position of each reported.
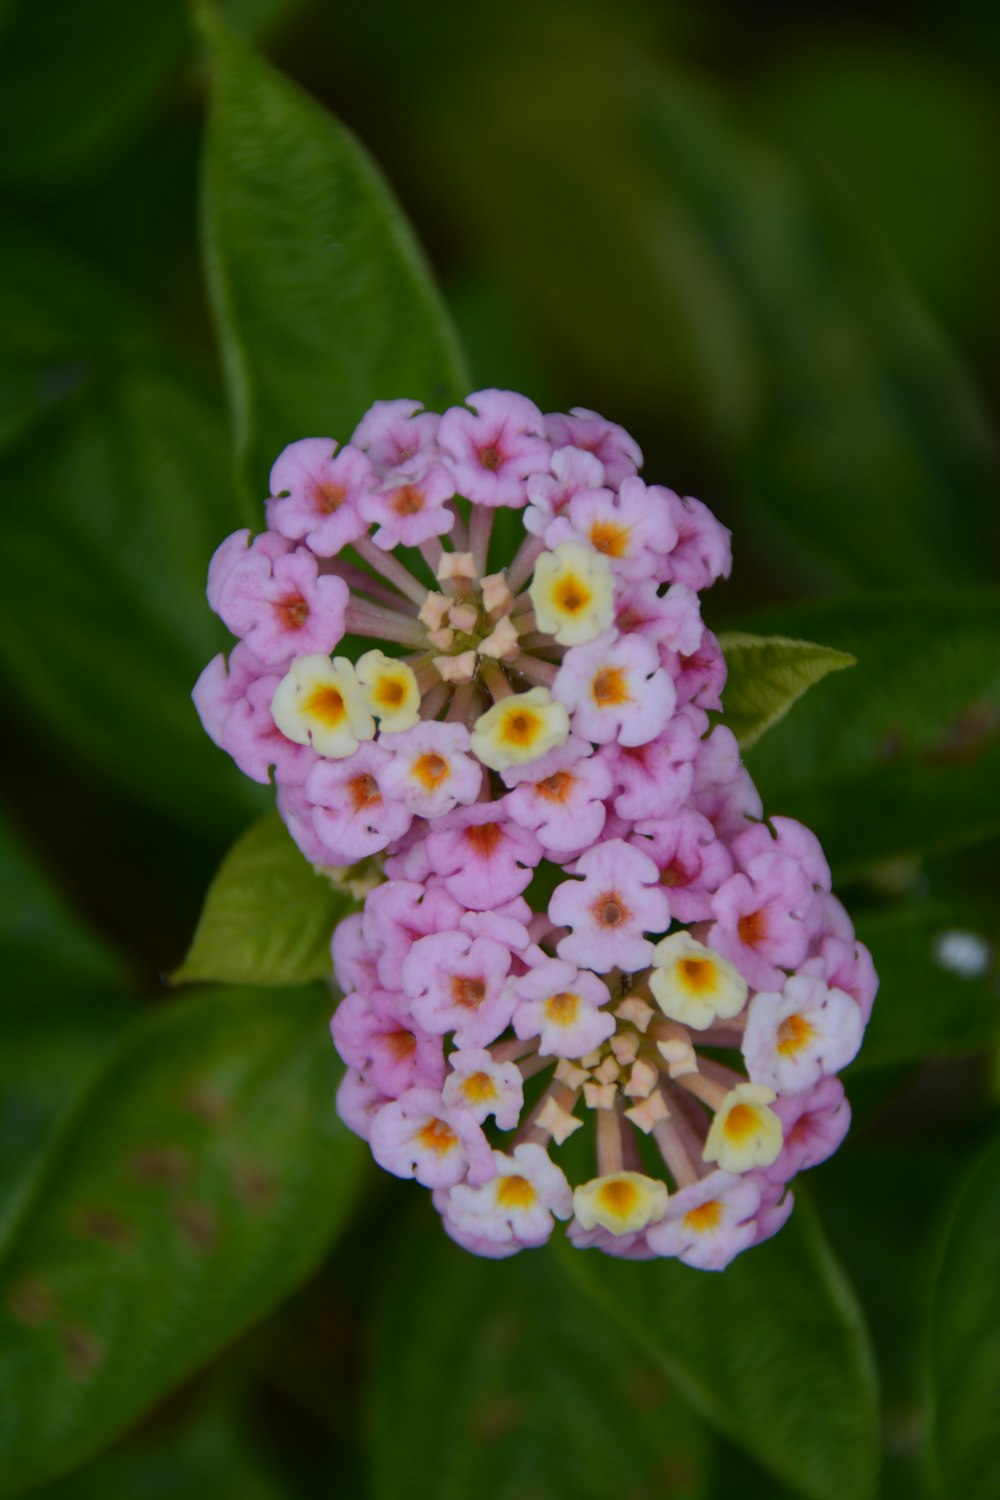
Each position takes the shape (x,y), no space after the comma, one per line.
(575,908)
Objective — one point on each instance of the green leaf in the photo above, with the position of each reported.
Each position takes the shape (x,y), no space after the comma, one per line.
(268,917)
(685,263)
(881,1197)
(927,1005)
(62,1008)
(212,1455)
(104,626)
(497,1380)
(860,418)
(321,296)
(76,80)
(198,1182)
(965,1342)
(773,1352)
(766,675)
(902,755)
(864,104)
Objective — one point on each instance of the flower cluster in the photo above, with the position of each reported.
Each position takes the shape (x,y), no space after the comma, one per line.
(579,911)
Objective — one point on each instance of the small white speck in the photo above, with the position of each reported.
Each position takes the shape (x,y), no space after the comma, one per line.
(964,953)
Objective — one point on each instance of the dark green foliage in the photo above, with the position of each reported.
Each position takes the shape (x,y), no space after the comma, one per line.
(720,236)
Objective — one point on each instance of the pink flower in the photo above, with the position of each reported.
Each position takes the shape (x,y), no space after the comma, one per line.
(615,689)
(483,858)
(352,816)
(654,780)
(354,964)
(703,551)
(560,1004)
(285,608)
(815,1122)
(693,862)
(618,452)
(399,913)
(573,473)
(240,551)
(419,1136)
(700,677)
(483,1086)
(494,446)
(410,507)
(610,908)
(375,1035)
(221,685)
(565,806)
(517,1206)
(672,620)
(759,924)
(709,1223)
(805,1033)
(456,983)
(395,433)
(776,1205)
(630,529)
(431,770)
(315,494)
(788,837)
(257,744)
(848,966)
(358,1103)
(296,809)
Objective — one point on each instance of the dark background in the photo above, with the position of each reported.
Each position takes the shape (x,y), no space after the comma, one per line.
(764,240)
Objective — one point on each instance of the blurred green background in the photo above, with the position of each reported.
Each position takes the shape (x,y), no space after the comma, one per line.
(764,240)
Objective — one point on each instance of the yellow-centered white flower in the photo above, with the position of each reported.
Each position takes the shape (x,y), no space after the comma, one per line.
(745,1133)
(518,729)
(572,593)
(391,691)
(320,702)
(693,984)
(622,1202)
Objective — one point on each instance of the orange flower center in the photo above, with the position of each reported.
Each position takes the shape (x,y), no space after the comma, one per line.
(293,611)
(752,928)
(408,501)
(467,991)
(328,496)
(430,769)
(610,688)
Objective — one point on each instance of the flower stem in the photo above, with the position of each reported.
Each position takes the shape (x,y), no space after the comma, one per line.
(391,568)
(480,531)
(524,561)
(384,624)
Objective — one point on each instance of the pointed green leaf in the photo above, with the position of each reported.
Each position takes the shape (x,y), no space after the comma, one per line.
(500,1380)
(321,296)
(196,1184)
(773,1352)
(965,1342)
(766,675)
(268,917)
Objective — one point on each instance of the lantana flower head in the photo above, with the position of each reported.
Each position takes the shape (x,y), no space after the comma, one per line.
(592,984)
